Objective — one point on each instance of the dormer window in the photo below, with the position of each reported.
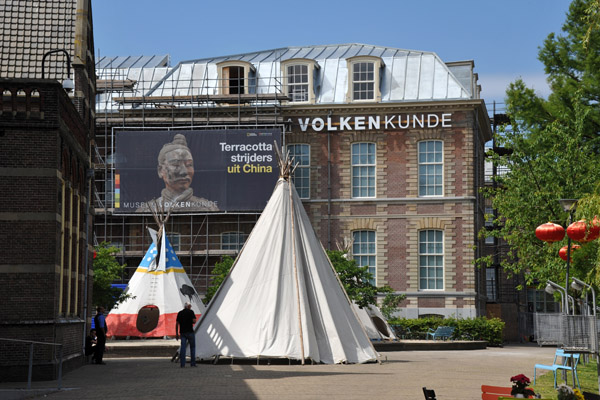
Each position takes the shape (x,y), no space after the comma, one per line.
(233,77)
(298,77)
(363,78)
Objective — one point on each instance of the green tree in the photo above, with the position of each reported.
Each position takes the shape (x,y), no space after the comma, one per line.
(545,165)
(356,280)
(554,147)
(106,270)
(220,272)
(390,302)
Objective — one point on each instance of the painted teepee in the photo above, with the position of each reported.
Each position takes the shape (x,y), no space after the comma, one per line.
(159,289)
(282,297)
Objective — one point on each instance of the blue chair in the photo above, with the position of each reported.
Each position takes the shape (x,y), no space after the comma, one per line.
(562,366)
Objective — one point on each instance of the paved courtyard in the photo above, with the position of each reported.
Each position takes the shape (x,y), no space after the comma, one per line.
(455,375)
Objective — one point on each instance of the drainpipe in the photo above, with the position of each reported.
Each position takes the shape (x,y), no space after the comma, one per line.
(329,186)
(88,189)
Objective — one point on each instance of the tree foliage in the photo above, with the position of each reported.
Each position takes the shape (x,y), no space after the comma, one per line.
(106,270)
(555,150)
(220,272)
(357,282)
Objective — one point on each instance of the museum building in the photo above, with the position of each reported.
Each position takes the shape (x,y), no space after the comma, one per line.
(390,149)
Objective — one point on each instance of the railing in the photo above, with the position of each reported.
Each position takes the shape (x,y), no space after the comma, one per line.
(570,331)
(30,368)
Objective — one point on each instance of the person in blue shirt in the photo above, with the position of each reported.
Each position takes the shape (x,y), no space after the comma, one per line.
(101,330)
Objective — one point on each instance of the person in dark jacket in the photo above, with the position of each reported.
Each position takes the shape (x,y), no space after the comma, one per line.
(185,325)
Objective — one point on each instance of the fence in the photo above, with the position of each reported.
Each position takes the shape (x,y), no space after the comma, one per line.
(31,351)
(573,332)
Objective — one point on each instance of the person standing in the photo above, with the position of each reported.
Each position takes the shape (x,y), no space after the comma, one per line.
(101,330)
(185,325)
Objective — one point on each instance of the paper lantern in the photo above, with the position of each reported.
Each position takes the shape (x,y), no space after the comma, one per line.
(580,232)
(550,232)
(562,253)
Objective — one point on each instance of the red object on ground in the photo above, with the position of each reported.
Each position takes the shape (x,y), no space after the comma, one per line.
(562,253)
(550,232)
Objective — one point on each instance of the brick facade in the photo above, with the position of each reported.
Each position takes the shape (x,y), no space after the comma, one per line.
(44,153)
(397,213)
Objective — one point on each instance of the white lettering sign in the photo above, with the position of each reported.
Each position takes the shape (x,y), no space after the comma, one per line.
(361,123)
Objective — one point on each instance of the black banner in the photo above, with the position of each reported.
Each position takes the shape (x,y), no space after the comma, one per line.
(195,171)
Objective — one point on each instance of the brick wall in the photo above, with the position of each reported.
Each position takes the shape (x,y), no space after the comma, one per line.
(43,148)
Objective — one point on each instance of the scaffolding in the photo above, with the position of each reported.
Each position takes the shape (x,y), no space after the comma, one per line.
(149,98)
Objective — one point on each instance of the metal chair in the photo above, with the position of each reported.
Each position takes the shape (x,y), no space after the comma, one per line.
(429,394)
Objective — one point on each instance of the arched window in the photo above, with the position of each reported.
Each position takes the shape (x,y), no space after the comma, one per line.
(298,77)
(364,78)
(233,77)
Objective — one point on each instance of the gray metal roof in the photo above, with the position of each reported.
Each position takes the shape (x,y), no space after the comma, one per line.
(132,62)
(407,75)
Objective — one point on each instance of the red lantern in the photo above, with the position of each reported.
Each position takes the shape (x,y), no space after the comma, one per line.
(562,253)
(550,232)
(579,231)
(594,229)
(94,254)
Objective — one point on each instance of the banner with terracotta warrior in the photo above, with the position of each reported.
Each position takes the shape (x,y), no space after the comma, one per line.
(195,171)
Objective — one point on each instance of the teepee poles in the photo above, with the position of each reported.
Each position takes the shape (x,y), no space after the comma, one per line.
(286,169)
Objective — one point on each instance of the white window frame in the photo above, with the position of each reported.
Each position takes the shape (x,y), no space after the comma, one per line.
(360,166)
(236,246)
(431,252)
(311,66)
(378,64)
(365,251)
(223,86)
(303,167)
(428,164)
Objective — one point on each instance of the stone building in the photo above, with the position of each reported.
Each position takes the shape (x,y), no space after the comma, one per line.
(390,145)
(47,83)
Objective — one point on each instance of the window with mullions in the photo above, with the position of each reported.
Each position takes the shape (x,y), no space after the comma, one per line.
(491,283)
(233,240)
(297,80)
(363,170)
(301,177)
(431,260)
(364,251)
(363,81)
(431,168)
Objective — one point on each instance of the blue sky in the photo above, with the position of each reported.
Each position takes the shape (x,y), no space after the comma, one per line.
(501,36)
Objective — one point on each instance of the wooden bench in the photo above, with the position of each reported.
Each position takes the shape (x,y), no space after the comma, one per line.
(442,332)
(489,392)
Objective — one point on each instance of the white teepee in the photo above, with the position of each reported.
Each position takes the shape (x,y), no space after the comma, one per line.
(282,297)
(374,322)
(159,289)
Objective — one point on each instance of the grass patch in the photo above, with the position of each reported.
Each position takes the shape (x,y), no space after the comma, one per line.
(588,378)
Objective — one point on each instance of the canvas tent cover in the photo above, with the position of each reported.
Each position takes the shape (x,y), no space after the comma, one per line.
(374,322)
(159,289)
(282,297)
